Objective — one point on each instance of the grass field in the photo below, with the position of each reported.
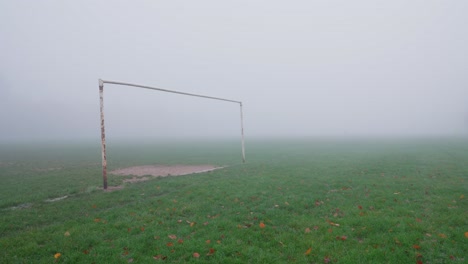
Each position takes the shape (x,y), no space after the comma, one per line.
(293,202)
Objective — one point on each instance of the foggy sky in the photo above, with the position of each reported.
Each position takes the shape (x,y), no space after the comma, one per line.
(302,68)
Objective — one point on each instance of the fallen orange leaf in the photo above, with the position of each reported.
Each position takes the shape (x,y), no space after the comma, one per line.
(57,255)
(170,244)
(180,241)
(196,255)
(211,252)
(331,223)
(262,225)
(308,251)
(466,234)
(397,241)
(416,247)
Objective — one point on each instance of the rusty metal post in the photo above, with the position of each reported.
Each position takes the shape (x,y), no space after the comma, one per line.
(103,135)
(242,132)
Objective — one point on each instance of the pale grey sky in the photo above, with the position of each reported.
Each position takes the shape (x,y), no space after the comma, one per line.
(302,68)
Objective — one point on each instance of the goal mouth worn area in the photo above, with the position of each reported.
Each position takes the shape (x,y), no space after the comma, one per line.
(162,171)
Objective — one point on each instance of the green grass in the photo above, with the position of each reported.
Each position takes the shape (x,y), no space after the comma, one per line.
(349,201)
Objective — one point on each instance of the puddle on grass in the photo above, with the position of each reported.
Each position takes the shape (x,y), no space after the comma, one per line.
(56,199)
(21,206)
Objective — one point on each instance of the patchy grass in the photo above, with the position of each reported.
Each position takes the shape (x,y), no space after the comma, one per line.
(293,202)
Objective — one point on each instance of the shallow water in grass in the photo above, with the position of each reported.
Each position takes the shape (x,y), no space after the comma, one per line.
(367,201)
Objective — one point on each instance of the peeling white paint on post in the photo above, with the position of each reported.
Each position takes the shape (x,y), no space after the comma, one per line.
(103,135)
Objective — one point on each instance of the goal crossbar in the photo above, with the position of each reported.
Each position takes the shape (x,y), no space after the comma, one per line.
(103,134)
(169,91)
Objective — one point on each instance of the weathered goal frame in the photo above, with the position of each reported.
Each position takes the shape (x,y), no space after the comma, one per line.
(103,131)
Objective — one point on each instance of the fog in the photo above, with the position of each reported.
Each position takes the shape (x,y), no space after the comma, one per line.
(301,68)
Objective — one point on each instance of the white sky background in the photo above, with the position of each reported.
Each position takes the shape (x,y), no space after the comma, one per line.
(302,68)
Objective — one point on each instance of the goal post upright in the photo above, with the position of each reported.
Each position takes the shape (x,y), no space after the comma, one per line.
(242,132)
(103,133)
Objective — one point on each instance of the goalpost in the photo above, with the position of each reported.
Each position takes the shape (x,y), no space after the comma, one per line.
(103,131)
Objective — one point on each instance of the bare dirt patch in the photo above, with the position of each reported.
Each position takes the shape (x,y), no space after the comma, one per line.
(163,170)
(144,173)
